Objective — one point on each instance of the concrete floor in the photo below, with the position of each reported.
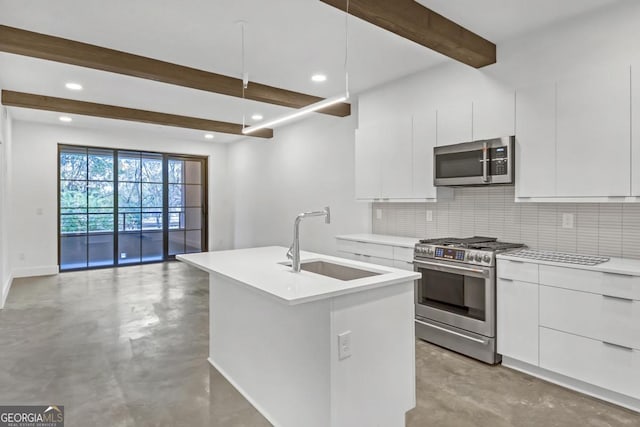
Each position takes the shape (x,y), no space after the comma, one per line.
(128,347)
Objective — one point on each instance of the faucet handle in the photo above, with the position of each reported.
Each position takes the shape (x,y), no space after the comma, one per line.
(290,253)
(327,218)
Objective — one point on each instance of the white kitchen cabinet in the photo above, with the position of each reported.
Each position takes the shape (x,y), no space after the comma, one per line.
(389,251)
(455,123)
(591,361)
(635,130)
(536,141)
(594,134)
(369,147)
(494,115)
(424,139)
(577,327)
(383,160)
(517,328)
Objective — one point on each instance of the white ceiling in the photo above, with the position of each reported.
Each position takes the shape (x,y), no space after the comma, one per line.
(286,42)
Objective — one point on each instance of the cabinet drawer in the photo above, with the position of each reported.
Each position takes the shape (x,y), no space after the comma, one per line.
(375,260)
(403,254)
(362,248)
(517,270)
(617,285)
(404,265)
(593,316)
(591,361)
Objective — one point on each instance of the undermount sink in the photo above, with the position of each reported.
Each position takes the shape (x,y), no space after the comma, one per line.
(335,271)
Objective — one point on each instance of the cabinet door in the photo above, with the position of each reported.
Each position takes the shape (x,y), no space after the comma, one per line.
(397,177)
(494,115)
(635,130)
(594,134)
(424,139)
(454,123)
(536,141)
(517,314)
(368,157)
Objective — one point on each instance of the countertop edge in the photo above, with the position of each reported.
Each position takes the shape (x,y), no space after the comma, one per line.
(381,239)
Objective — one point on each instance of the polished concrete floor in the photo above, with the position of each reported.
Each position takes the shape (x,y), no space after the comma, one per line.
(128,347)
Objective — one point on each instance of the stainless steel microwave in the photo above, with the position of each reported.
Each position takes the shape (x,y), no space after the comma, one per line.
(485,162)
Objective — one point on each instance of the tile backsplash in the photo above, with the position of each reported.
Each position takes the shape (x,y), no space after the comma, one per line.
(608,229)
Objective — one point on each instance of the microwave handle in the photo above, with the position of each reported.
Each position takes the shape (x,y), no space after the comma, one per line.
(485,162)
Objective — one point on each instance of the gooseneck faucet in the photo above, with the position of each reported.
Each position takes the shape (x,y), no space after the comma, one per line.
(294,251)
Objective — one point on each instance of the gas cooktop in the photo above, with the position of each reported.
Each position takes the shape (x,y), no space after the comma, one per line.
(470,250)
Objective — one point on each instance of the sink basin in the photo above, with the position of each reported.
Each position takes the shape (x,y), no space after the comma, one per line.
(335,271)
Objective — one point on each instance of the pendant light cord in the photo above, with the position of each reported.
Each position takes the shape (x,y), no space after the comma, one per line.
(346,50)
(245,80)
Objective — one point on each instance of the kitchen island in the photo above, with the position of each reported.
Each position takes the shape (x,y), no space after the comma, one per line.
(334,347)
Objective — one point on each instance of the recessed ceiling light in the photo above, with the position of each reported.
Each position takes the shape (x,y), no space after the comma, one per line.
(209,135)
(319,78)
(65,119)
(73,86)
(257,117)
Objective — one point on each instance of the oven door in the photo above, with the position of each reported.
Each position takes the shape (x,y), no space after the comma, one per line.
(463,296)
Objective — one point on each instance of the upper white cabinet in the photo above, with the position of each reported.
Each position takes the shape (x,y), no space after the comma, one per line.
(635,129)
(494,115)
(536,141)
(574,137)
(394,159)
(455,123)
(424,139)
(594,134)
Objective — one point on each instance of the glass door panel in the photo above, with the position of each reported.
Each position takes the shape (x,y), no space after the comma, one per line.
(186,201)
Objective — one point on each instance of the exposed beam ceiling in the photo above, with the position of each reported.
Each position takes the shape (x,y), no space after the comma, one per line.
(22,42)
(411,20)
(40,102)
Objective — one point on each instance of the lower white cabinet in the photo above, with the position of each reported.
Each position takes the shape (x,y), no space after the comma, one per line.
(517,329)
(595,362)
(387,254)
(601,317)
(576,327)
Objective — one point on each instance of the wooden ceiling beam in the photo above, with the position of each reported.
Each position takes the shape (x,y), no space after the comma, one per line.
(42,46)
(71,106)
(411,20)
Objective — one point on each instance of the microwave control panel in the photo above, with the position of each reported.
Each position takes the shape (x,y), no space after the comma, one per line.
(449,253)
(499,160)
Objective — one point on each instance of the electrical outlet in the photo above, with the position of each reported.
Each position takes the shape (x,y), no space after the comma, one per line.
(21,256)
(378,213)
(344,345)
(39,211)
(567,220)
(123,255)
(429,216)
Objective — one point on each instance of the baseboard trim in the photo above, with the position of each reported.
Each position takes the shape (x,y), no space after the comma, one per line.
(6,287)
(573,384)
(45,270)
(244,393)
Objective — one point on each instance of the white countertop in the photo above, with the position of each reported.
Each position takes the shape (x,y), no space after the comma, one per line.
(381,239)
(614,265)
(260,269)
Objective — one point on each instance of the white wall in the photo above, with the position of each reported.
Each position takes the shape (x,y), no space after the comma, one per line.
(5,183)
(306,166)
(34,161)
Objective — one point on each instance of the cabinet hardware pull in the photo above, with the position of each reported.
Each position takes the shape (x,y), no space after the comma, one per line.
(618,298)
(517,262)
(366,256)
(622,347)
(505,280)
(618,274)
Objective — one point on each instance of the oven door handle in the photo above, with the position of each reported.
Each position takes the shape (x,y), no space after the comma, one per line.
(458,334)
(451,269)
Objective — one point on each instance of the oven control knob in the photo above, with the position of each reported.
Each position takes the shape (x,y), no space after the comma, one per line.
(478,257)
(487,258)
(429,251)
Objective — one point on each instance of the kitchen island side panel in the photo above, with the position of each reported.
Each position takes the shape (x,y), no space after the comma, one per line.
(275,354)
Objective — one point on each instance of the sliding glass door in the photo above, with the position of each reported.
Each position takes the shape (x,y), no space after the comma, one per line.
(127,207)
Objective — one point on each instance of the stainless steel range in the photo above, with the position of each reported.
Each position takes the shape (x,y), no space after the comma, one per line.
(456,296)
